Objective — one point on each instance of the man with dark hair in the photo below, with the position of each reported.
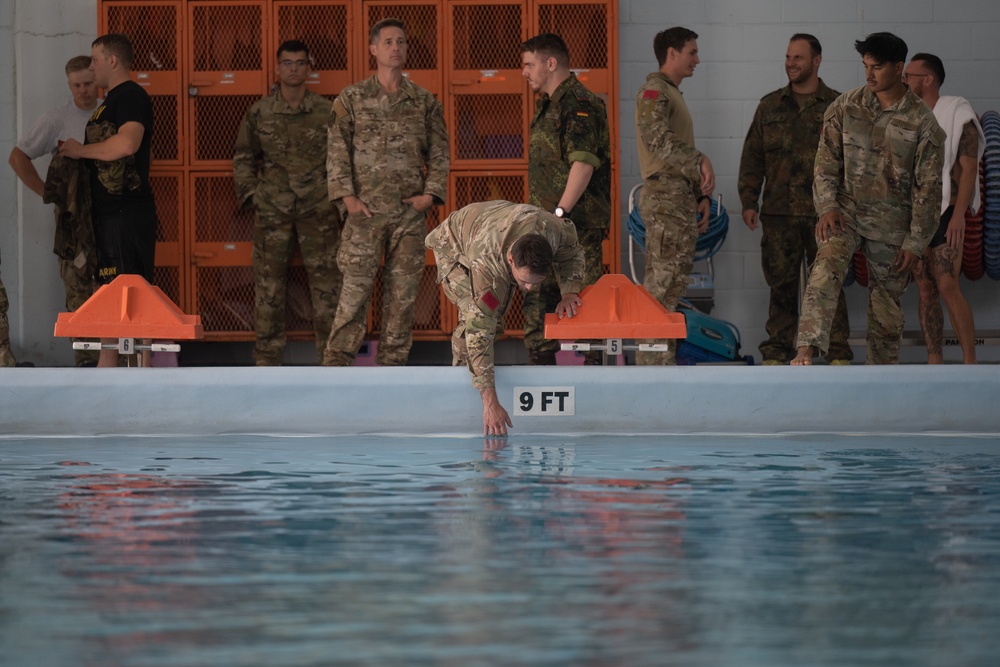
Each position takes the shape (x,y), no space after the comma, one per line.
(119,136)
(569,174)
(877,187)
(937,275)
(678,179)
(485,251)
(279,168)
(778,157)
(387,163)
(75,251)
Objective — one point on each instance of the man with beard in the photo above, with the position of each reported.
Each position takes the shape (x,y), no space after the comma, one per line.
(778,157)
(877,187)
(485,251)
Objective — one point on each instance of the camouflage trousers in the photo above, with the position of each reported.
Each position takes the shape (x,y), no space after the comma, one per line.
(400,240)
(545,299)
(785,241)
(885,288)
(274,237)
(457,286)
(6,356)
(671,236)
(80,286)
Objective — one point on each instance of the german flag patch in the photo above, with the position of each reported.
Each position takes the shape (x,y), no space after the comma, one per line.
(650,94)
(582,114)
(490,300)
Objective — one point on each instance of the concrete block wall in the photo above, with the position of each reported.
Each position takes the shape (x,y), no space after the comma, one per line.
(742,46)
(742,49)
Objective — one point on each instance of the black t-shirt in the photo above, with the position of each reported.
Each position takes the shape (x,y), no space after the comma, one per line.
(124,182)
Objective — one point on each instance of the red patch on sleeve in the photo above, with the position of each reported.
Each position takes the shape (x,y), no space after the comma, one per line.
(650,94)
(491,300)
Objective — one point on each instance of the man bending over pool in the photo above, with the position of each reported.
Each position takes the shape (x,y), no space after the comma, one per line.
(483,252)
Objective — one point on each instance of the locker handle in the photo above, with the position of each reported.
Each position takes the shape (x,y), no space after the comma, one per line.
(462,82)
(201,254)
(201,84)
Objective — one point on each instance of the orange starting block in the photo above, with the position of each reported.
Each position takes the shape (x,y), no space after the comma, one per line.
(128,308)
(614,308)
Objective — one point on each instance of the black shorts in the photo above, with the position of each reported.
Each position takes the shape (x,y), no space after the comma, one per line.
(126,242)
(939,235)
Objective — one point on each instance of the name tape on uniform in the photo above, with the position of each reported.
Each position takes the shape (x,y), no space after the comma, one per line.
(545,401)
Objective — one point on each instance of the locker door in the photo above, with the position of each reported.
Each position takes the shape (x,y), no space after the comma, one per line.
(170,273)
(324,26)
(487,102)
(227,72)
(222,237)
(156,36)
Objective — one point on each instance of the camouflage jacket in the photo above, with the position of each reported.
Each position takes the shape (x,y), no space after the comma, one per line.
(571,126)
(478,237)
(384,148)
(280,155)
(888,189)
(665,135)
(67,185)
(780,150)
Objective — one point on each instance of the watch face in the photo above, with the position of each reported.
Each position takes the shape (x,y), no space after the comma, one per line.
(560,212)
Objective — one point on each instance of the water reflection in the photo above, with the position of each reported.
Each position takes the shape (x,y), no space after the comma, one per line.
(520,551)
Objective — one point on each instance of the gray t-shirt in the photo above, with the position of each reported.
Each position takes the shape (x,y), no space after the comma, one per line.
(66,122)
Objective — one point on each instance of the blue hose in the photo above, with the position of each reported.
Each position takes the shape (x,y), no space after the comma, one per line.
(709,241)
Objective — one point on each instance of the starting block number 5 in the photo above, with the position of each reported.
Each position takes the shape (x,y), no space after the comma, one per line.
(545,401)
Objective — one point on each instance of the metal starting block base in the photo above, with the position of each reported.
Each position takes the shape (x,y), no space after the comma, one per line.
(127,346)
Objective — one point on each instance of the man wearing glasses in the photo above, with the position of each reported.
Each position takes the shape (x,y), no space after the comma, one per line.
(279,169)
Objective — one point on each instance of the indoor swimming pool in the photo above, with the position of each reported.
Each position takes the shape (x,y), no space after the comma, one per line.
(539,550)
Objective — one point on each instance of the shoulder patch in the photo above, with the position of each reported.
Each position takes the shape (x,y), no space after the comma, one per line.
(650,94)
(490,300)
(339,110)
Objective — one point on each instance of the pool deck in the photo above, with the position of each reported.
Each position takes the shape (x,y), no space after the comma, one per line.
(564,400)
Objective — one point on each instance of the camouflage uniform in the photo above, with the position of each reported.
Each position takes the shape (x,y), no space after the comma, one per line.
(889,194)
(570,126)
(471,248)
(778,157)
(6,356)
(75,245)
(279,167)
(383,148)
(668,203)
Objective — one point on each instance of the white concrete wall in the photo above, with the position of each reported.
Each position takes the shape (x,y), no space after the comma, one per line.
(38,37)
(742,45)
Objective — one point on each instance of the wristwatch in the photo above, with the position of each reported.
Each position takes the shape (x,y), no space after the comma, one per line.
(560,212)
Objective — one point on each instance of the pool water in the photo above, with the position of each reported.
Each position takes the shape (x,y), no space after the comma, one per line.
(538,551)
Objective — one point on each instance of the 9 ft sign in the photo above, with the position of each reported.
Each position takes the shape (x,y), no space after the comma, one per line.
(545,401)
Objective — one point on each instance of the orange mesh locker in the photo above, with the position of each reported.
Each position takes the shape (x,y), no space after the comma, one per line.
(324,26)
(222,284)
(227,73)
(467,187)
(155,33)
(424,53)
(169,272)
(487,104)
